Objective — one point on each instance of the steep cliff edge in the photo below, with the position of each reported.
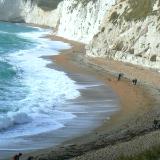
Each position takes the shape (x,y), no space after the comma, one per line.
(81,19)
(74,19)
(123,30)
(10,12)
(130,33)
(31,11)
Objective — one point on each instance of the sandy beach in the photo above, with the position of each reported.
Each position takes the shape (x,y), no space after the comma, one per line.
(129,131)
(90,109)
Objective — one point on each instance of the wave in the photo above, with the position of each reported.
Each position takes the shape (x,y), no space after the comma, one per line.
(14,119)
(42,42)
(39,91)
(17,124)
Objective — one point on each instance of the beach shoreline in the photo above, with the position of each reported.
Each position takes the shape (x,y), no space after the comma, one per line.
(89,111)
(128,127)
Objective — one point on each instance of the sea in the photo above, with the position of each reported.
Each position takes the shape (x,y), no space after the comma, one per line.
(30,92)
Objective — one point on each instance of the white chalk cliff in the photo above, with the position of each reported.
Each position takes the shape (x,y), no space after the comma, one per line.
(28,11)
(130,33)
(124,30)
(75,19)
(81,20)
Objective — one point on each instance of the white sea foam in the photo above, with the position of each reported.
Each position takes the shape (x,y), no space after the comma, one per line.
(13,118)
(4,32)
(46,89)
(5,122)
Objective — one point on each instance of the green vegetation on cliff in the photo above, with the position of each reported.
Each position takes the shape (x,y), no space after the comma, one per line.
(136,10)
(139,9)
(48,5)
(85,2)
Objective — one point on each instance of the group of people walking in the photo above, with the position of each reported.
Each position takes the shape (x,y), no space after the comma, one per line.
(17,157)
(134,81)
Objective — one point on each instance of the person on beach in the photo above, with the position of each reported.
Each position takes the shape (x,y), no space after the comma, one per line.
(16,157)
(134,81)
(119,76)
(30,158)
(155,123)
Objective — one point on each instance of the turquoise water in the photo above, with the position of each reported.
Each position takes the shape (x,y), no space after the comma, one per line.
(30,93)
(9,39)
(10,42)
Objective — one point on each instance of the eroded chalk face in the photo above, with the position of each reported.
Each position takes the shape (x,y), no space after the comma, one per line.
(18,10)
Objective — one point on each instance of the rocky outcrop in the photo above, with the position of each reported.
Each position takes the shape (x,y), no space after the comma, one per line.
(130,33)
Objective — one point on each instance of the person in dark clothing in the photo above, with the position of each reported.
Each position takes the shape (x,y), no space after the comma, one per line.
(119,76)
(134,81)
(30,158)
(156,124)
(16,157)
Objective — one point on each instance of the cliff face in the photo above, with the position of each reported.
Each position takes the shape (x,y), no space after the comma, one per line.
(38,12)
(30,11)
(130,33)
(124,30)
(81,19)
(75,19)
(10,12)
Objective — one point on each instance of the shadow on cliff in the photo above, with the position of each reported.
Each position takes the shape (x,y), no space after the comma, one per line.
(48,5)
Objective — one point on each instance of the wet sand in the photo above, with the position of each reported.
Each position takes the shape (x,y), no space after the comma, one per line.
(130,130)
